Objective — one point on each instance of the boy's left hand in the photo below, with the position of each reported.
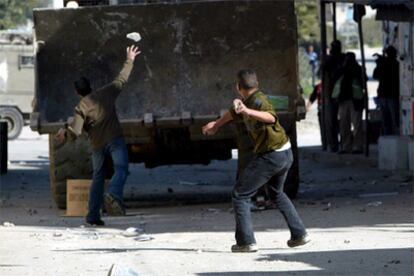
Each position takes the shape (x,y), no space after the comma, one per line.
(61,135)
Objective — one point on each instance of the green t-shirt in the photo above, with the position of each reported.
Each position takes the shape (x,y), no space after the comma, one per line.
(265,136)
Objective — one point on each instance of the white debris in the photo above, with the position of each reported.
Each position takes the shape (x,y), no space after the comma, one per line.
(132,232)
(8,224)
(374,204)
(213,210)
(144,237)
(189,183)
(121,270)
(134,36)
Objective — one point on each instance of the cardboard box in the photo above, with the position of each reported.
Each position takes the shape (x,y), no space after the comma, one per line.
(77,196)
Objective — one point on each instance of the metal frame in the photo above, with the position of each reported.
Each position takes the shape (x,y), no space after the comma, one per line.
(322,4)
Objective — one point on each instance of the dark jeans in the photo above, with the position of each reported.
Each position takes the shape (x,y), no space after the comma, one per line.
(322,129)
(263,167)
(332,125)
(117,150)
(390,115)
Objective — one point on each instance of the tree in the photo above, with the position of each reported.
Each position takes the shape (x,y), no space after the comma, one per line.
(308,21)
(372,32)
(16,12)
(12,13)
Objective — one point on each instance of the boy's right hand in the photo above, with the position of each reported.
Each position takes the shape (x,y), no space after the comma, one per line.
(210,128)
(132,52)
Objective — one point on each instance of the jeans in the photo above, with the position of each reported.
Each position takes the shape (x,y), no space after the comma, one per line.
(390,115)
(117,150)
(350,127)
(263,167)
(332,125)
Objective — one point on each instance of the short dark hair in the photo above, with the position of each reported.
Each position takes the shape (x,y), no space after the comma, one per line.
(350,56)
(391,52)
(336,47)
(82,86)
(247,79)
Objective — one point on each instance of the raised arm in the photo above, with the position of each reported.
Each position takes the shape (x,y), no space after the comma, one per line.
(123,76)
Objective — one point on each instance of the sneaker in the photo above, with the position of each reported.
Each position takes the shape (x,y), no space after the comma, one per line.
(249,248)
(112,206)
(299,241)
(97,222)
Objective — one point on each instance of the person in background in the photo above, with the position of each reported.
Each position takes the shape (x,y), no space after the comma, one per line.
(387,73)
(349,95)
(331,68)
(313,62)
(316,96)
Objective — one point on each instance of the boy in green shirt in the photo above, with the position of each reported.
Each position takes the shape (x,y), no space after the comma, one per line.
(273,158)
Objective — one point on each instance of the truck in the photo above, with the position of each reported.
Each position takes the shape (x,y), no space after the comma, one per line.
(184,78)
(16,80)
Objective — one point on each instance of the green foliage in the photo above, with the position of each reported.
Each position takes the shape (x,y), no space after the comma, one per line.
(16,12)
(12,13)
(305,72)
(372,30)
(308,21)
(308,33)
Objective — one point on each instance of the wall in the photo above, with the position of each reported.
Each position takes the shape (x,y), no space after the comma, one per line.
(401,36)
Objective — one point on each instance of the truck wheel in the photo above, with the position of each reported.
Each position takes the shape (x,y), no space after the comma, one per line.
(69,160)
(14,121)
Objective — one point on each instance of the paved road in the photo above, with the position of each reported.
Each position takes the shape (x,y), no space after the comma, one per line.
(361,221)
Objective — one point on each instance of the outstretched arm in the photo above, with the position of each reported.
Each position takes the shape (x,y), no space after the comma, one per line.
(123,76)
(212,127)
(73,127)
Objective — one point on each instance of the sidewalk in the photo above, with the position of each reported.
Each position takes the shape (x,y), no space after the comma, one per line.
(315,153)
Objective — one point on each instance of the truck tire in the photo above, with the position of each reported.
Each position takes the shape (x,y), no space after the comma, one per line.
(14,120)
(69,160)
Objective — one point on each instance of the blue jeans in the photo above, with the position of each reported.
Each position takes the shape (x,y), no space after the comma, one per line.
(263,167)
(117,150)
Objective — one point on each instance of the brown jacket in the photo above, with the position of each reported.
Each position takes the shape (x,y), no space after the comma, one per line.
(97,110)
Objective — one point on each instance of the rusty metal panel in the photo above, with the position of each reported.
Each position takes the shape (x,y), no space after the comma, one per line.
(190,55)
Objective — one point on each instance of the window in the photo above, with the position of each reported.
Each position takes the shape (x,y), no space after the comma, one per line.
(26,61)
